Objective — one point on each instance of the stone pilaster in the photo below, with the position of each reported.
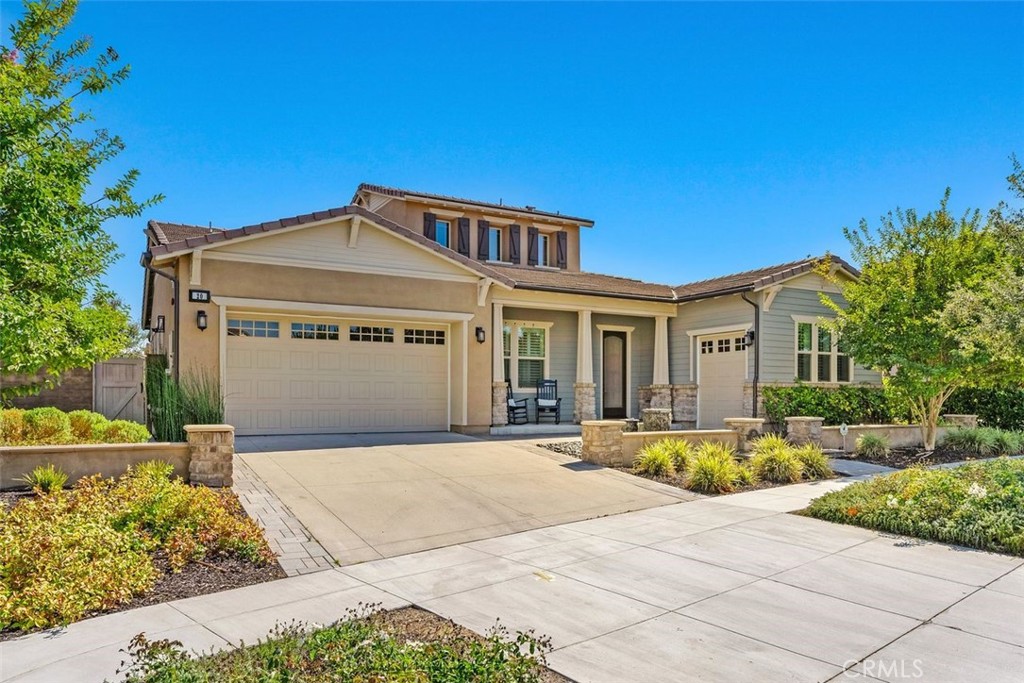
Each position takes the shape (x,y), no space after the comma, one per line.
(801,430)
(584,401)
(644,397)
(962,421)
(211,449)
(499,404)
(602,442)
(657,420)
(684,405)
(661,396)
(747,429)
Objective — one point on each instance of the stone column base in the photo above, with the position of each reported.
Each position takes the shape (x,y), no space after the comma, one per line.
(657,420)
(211,449)
(684,405)
(661,396)
(584,401)
(499,404)
(964,421)
(803,430)
(747,429)
(602,442)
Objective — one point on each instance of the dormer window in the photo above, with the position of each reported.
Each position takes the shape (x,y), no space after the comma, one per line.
(442,231)
(494,244)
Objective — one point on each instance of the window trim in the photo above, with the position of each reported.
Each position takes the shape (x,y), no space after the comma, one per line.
(513,355)
(543,252)
(491,256)
(447,231)
(814,353)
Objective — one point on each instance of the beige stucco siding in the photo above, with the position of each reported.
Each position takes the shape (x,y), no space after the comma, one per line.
(726,311)
(641,355)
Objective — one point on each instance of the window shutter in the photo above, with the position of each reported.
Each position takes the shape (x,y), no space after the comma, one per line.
(483,243)
(430,226)
(561,249)
(531,246)
(462,241)
(513,244)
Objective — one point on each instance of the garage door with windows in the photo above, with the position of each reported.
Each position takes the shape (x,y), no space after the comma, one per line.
(721,373)
(293,375)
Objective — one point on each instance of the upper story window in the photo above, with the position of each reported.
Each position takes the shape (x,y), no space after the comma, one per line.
(543,249)
(820,357)
(442,232)
(494,244)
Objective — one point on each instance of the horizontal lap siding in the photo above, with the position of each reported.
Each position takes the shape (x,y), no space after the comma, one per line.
(778,334)
(641,352)
(719,312)
(561,351)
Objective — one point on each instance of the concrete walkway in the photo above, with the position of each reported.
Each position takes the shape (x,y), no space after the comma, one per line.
(722,589)
(418,492)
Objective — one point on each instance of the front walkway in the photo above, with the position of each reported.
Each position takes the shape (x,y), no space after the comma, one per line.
(723,589)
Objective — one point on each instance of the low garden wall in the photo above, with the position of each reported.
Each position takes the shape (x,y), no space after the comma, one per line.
(604,442)
(206,459)
(898,436)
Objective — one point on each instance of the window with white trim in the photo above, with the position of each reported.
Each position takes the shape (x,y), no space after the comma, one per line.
(494,243)
(254,328)
(820,357)
(442,232)
(707,346)
(525,353)
(543,247)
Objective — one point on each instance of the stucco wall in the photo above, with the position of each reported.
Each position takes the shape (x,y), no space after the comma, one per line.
(717,312)
(108,460)
(898,436)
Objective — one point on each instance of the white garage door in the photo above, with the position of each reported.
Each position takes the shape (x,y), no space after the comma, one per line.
(308,376)
(722,370)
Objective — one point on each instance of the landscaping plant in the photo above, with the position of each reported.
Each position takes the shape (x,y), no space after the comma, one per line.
(779,466)
(837,405)
(654,460)
(123,431)
(12,426)
(86,425)
(984,442)
(47,426)
(714,469)
(814,462)
(871,446)
(769,443)
(46,478)
(980,505)
(50,426)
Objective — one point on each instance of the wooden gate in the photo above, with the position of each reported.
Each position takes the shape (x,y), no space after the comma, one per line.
(118,389)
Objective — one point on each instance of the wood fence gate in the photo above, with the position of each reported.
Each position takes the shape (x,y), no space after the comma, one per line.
(117,389)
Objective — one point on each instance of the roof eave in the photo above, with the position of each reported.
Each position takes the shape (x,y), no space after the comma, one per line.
(607,295)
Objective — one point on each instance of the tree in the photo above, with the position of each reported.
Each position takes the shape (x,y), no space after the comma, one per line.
(55,313)
(892,320)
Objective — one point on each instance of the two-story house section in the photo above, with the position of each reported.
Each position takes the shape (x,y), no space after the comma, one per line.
(409,311)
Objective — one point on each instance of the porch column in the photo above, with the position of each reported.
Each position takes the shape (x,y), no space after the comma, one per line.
(584,404)
(661,390)
(499,406)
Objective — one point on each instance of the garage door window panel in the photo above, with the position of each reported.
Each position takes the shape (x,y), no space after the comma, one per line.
(427,337)
(369,333)
(253,328)
(322,331)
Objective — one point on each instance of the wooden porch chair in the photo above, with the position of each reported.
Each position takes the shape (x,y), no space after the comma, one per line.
(517,414)
(547,400)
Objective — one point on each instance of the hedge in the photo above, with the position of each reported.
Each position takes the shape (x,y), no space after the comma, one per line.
(51,426)
(1002,408)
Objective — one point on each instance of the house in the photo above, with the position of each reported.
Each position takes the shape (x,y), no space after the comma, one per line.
(408,311)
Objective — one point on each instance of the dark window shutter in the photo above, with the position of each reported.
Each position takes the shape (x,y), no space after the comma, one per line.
(561,249)
(531,246)
(462,241)
(430,226)
(483,242)
(513,244)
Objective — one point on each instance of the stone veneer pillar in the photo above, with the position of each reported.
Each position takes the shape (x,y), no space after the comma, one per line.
(964,421)
(657,420)
(602,441)
(211,449)
(584,401)
(499,404)
(661,396)
(802,430)
(684,405)
(747,429)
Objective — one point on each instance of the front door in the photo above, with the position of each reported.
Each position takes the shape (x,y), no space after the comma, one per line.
(613,375)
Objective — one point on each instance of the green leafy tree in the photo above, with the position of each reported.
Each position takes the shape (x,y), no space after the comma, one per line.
(911,266)
(55,313)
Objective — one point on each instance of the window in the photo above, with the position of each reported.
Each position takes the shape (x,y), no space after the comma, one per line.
(542,249)
(429,337)
(254,328)
(741,343)
(723,345)
(820,357)
(443,230)
(494,244)
(361,333)
(707,346)
(525,352)
(314,331)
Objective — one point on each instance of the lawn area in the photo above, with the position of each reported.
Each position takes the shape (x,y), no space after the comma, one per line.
(105,545)
(407,644)
(980,505)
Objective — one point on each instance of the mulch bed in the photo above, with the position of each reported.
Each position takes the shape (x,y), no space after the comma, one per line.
(902,458)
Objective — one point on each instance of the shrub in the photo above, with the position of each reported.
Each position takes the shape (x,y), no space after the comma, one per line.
(871,446)
(1006,442)
(86,425)
(769,443)
(124,431)
(984,441)
(814,462)
(713,469)
(12,426)
(780,466)
(47,426)
(1002,408)
(849,404)
(46,478)
(195,399)
(655,460)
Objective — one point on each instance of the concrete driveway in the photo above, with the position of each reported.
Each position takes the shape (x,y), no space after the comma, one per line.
(368,497)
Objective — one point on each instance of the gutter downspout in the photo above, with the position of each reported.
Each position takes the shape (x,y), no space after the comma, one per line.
(146,262)
(757,349)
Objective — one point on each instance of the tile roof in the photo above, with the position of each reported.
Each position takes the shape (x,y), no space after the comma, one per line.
(543,279)
(403,194)
(755,279)
(175,232)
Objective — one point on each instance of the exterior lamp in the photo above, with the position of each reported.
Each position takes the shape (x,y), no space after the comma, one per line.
(750,337)
(201,320)
(481,335)
(159,324)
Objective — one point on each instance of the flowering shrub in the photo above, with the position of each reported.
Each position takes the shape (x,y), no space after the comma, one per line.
(50,426)
(980,505)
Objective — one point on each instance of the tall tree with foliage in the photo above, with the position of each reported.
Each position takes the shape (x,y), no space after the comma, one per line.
(893,320)
(55,313)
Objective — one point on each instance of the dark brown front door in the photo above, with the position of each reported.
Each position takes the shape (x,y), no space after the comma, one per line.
(613,375)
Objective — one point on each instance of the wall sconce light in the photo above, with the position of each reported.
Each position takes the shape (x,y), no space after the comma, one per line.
(159,324)
(750,337)
(481,335)
(201,320)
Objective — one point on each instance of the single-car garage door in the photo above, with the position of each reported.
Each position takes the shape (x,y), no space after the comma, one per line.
(307,376)
(721,372)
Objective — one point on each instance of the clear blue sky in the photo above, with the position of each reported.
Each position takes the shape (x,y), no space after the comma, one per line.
(703,139)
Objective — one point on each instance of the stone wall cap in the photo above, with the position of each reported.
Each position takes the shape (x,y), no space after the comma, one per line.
(599,423)
(209,428)
(744,419)
(657,410)
(805,419)
(958,415)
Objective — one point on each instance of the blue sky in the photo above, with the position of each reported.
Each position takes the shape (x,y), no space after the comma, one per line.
(703,139)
